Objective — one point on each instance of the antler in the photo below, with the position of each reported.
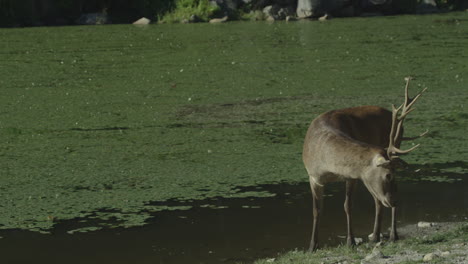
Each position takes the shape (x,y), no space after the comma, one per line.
(397,122)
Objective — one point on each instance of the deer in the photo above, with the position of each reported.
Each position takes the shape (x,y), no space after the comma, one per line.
(358,144)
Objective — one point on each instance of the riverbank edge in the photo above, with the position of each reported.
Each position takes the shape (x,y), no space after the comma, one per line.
(444,242)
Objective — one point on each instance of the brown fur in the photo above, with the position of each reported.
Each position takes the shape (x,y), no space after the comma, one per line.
(349,144)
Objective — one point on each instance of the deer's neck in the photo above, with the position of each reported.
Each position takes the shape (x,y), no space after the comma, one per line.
(344,156)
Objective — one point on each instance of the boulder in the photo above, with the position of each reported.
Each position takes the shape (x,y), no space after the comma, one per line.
(142,21)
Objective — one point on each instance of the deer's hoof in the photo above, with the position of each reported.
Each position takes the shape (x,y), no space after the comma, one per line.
(350,242)
(313,247)
(374,239)
(394,238)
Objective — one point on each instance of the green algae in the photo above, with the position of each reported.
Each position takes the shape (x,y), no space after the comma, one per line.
(116,117)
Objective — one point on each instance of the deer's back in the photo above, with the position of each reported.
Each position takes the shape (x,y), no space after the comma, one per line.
(368,124)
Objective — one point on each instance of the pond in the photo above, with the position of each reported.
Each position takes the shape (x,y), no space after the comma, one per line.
(124,131)
(234,230)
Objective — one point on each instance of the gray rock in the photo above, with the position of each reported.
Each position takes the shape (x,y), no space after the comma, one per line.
(372,257)
(305,8)
(142,21)
(358,241)
(219,20)
(425,224)
(277,12)
(325,17)
(427,7)
(429,257)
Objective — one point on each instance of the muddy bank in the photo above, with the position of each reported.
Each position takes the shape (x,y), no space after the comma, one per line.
(425,242)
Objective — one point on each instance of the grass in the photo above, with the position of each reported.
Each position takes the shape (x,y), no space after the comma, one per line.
(417,245)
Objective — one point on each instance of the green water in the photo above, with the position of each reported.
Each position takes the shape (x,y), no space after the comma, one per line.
(115,117)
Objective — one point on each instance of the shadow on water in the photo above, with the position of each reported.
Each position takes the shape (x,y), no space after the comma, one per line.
(240,230)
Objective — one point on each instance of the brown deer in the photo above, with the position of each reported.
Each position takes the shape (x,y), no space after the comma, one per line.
(358,143)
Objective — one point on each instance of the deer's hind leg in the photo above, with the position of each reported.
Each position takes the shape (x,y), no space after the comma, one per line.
(317,197)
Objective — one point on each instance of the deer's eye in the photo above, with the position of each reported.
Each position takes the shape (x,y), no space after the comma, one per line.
(388,177)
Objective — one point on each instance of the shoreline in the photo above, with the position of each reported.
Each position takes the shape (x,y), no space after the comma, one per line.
(443,242)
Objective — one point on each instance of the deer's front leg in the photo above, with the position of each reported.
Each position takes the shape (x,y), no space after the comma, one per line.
(378,220)
(350,186)
(317,194)
(393,231)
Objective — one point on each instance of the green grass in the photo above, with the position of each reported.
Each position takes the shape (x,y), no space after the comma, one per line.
(419,244)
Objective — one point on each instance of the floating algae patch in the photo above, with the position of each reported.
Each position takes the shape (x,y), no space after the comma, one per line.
(118,117)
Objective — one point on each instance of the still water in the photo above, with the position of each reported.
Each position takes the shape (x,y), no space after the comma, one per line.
(241,230)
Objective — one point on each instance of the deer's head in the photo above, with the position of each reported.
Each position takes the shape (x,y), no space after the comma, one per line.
(379,177)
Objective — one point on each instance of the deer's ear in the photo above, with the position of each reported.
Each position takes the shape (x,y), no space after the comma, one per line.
(380,161)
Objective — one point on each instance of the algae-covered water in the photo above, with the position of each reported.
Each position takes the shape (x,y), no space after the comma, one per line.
(109,122)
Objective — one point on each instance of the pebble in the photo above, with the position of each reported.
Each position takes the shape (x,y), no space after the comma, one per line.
(429,257)
(376,254)
(425,224)
(358,241)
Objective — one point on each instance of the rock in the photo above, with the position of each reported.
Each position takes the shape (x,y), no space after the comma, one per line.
(445,254)
(277,12)
(290,18)
(427,7)
(425,224)
(325,17)
(358,241)
(376,254)
(429,257)
(378,245)
(142,21)
(317,8)
(219,20)
(285,12)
